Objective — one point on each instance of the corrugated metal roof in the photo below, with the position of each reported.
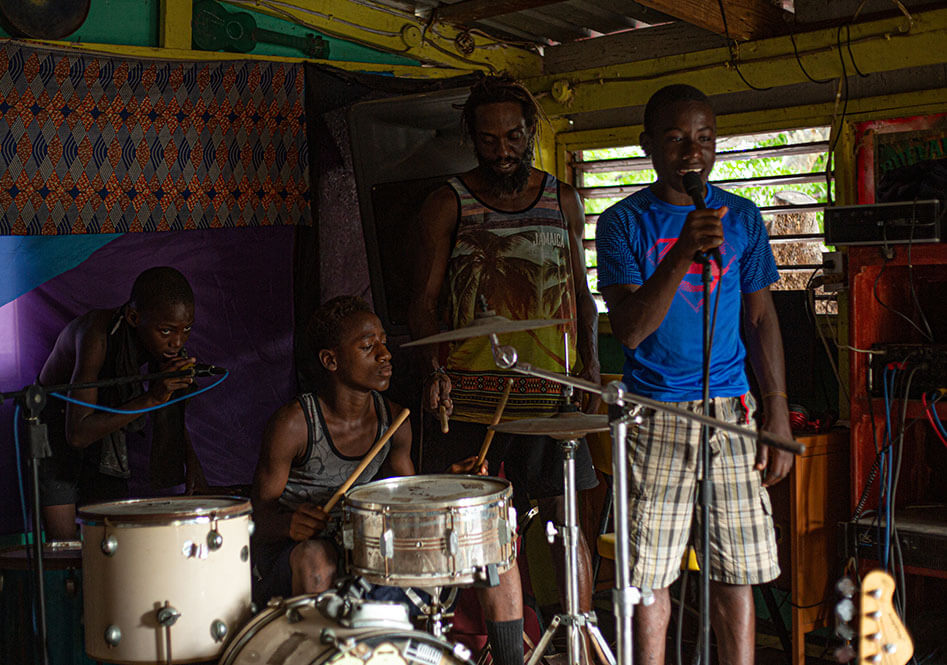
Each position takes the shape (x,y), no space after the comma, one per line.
(544,23)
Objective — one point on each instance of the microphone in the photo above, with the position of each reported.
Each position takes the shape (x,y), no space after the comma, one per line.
(694,186)
(203,369)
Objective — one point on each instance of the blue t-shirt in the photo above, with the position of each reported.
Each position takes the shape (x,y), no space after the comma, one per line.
(632,237)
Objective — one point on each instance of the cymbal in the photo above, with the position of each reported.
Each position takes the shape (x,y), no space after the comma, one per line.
(487,325)
(560,426)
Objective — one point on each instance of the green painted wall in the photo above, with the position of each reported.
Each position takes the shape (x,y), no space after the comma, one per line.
(131,22)
(136,23)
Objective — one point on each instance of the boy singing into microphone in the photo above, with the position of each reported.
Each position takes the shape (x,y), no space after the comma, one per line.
(90,455)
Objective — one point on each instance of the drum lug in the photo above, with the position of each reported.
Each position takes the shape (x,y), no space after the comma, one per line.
(109,545)
(251,527)
(214,540)
(387,544)
(503,532)
(218,630)
(461,652)
(293,615)
(113,635)
(453,543)
(348,537)
(167,616)
(244,553)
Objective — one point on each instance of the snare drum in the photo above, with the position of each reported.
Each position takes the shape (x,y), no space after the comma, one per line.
(165,580)
(428,531)
(329,629)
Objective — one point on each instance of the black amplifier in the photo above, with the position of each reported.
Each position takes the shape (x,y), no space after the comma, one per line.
(922,535)
(930,361)
(884,223)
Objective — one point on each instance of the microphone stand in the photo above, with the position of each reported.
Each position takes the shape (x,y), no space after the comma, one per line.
(705,497)
(33,399)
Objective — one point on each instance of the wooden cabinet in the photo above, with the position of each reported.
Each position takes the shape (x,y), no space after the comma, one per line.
(806,509)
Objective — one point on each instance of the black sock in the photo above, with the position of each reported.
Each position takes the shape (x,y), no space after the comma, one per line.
(506,641)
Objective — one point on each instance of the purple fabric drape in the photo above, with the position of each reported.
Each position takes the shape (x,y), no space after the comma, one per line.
(242,281)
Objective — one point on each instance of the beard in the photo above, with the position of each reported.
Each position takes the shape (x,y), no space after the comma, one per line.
(503,184)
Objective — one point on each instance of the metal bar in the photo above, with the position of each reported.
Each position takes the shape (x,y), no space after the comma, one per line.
(588,386)
(644,163)
(611,191)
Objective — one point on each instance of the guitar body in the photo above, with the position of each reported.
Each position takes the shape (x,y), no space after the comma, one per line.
(216,29)
(883,638)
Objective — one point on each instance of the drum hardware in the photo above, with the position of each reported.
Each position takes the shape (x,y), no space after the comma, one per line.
(214,539)
(113,635)
(218,630)
(167,616)
(109,545)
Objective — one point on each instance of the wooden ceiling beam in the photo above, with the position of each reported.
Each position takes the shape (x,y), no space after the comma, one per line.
(746,19)
(468,11)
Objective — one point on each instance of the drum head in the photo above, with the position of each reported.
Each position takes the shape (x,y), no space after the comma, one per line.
(164,510)
(434,491)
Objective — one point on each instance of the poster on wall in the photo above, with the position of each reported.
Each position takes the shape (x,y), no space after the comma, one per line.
(902,159)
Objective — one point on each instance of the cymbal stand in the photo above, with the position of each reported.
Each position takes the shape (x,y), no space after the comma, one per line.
(572,619)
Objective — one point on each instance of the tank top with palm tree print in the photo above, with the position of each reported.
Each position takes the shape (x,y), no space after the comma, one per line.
(519,261)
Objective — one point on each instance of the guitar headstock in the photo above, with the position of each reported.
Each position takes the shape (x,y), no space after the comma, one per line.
(883,639)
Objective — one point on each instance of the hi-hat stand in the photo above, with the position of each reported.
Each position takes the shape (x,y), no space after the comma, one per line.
(623,408)
(572,619)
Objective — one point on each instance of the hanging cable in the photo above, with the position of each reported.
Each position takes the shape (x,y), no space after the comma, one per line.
(109,409)
(726,32)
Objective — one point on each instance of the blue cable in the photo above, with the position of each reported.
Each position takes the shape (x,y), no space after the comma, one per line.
(885,498)
(936,418)
(19,480)
(108,409)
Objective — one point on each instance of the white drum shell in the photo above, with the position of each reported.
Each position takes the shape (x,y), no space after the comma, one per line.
(435,530)
(294,632)
(154,564)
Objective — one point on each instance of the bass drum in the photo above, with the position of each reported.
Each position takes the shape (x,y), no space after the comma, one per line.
(331,629)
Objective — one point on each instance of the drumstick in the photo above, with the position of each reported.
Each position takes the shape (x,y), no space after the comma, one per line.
(442,414)
(365,460)
(496,420)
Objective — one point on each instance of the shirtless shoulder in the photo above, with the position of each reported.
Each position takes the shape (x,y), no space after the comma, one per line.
(85,333)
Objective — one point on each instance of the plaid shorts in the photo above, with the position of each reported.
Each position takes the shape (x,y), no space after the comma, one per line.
(664,454)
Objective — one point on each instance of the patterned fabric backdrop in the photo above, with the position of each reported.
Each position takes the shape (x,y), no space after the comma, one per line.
(98,144)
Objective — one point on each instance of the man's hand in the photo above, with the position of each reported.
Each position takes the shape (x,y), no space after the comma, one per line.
(307,521)
(702,231)
(162,389)
(468,465)
(437,394)
(774,461)
(589,402)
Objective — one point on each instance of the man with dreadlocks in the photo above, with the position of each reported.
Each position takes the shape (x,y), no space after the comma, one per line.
(512,234)
(90,455)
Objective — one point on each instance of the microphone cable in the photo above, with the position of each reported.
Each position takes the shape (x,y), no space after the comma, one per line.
(109,409)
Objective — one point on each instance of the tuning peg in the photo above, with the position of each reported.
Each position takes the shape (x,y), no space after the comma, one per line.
(846,587)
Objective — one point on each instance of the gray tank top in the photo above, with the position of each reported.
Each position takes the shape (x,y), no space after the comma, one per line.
(323,469)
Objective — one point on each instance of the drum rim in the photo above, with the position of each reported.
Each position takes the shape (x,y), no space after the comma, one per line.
(350,501)
(91,514)
(50,559)
(274,611)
